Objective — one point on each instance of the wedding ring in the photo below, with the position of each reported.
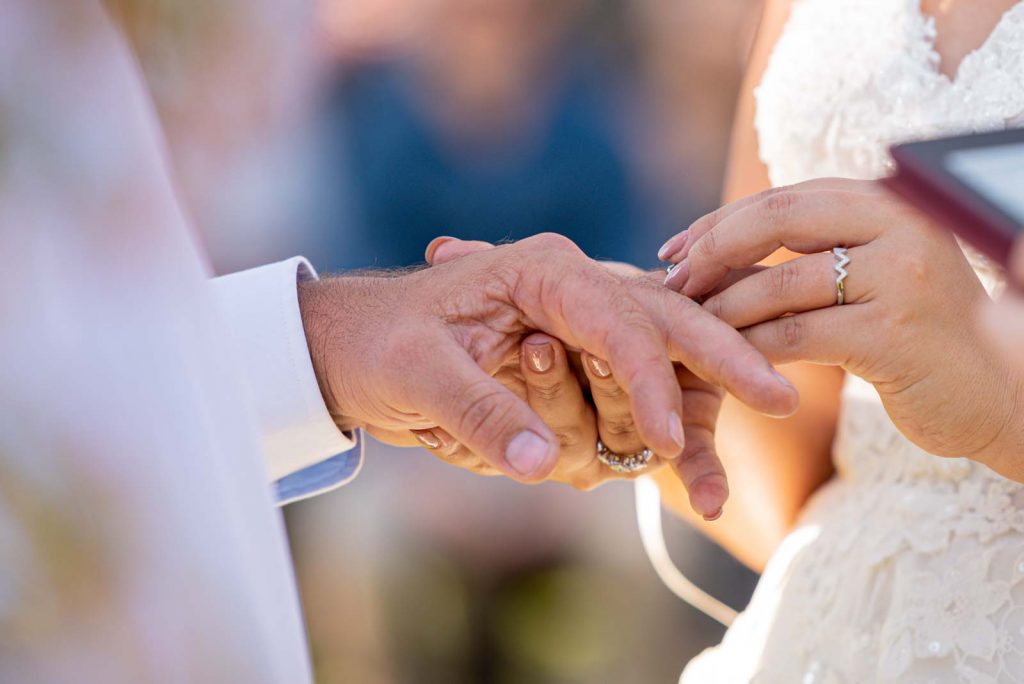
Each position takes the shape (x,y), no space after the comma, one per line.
(842,261)
(624,463)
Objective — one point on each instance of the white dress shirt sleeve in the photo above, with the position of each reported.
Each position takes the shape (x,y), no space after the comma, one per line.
(305,451)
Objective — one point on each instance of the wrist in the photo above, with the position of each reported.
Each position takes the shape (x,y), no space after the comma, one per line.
(333,323)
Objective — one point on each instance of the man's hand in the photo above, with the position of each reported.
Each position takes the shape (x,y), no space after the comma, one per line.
(418,351)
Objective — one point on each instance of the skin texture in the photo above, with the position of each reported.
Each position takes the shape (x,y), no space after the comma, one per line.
(419,351)
(557,383)
(894,331)
(776,465)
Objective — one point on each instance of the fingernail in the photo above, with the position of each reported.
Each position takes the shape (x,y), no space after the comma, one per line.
(714,516)
(434,244)
(783,379)
(599,367)
(527,452)
(672,245)
(678,275)
(675,430)
(540,356)
(428,439)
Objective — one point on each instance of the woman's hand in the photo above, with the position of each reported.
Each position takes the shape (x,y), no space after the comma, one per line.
(1003,321)
(910,296)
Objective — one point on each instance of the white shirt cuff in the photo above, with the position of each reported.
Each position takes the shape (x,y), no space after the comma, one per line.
(261,307)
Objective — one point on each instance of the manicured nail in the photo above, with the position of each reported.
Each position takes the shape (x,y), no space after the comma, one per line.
(540,356)
(599,367)
(714,516)
(527,452)
(675,430)
(428,439)
(677,277)
(672,245)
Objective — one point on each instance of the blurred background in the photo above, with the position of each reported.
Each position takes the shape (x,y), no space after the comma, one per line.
(354,131)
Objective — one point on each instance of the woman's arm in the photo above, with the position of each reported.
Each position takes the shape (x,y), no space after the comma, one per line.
(773,465)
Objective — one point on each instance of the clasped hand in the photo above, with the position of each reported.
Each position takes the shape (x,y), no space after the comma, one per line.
(420,351)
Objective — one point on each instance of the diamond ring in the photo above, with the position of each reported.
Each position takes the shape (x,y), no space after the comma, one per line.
(624,463)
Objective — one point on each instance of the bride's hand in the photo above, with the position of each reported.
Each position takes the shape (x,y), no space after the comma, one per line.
(911,296)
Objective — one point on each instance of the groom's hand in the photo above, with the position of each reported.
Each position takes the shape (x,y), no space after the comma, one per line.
(418,350)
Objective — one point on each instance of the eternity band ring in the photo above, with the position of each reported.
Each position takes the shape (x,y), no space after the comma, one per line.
(842,261)
(624,463)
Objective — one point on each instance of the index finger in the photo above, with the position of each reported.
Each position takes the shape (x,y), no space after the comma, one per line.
(717,353)
(678,248)
(803,222)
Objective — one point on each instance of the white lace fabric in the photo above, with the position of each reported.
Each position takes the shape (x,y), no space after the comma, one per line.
(906,567)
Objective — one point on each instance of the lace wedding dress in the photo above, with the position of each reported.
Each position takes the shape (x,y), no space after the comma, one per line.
(906,567)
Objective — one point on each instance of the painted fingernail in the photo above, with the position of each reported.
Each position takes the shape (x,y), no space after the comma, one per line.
(672,245)
(678,275)
(428,439)
(599,367)
(714,516)
(527,452)
(540,356)
(675,430)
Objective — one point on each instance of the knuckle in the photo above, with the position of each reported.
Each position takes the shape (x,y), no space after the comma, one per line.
(571,438)
(546,392)
(621,425)
(779,204)
(714,218)
(791,331)
(705,246)
(485,415)
(554,242)
(607,389)
(708,222)
(714,306)
(782,279)
(621,301)
(695,462)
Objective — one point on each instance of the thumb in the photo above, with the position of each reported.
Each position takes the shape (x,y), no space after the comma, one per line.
(483,415)
(444,249)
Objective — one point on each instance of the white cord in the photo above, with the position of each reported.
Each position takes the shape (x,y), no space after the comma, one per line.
(648,517)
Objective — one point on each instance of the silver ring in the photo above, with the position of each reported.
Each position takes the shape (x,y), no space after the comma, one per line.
(842,261)
(624,463)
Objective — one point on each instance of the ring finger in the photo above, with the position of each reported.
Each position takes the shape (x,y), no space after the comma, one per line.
(614,416)
(796,286)
(553,391)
